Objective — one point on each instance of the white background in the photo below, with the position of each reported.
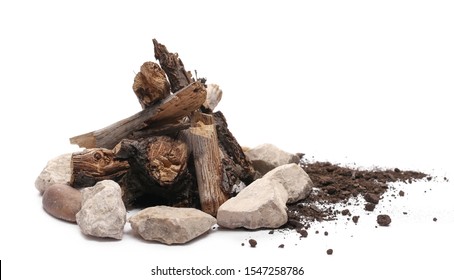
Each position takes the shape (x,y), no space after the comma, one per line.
(365,82)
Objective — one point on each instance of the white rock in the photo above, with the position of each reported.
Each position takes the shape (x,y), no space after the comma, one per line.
(57,171)
(266,157)
(262,204)
(294,179)
(171,225)
(103,213)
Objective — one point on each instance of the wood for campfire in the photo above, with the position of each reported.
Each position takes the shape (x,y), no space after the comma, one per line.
(166,111)
(159,169)
(150,84)
(93,165)
(170,152)
(203,140)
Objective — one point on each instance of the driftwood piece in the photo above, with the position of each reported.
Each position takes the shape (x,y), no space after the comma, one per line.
(172,108)
(158,169)
(93,165)
(203,141)
(150,84)
(173,66)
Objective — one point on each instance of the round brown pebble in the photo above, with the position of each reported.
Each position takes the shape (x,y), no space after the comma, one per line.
(401,193)
(329,251)
(383,220)
(253,243)
(62,202)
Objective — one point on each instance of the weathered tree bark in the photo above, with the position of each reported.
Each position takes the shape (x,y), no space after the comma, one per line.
(158,169)
(172,108)
(203,141)
(236,165)
(173,66)
(150,84)
(93,165)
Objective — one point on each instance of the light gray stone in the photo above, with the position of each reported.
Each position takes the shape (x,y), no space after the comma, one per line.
(57,171)
(266,157)
(103,213)
(62,201)
(262,204)
(294,179)
(171,225)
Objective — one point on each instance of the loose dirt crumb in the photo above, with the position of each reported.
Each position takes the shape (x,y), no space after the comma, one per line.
(252,242)
(329,251)
(355,219)
(335,184)
(383,220)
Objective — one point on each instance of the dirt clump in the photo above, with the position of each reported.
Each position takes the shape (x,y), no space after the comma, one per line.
(252,243)
(383,220)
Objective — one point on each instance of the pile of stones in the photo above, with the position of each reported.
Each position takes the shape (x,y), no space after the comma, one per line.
(99,210)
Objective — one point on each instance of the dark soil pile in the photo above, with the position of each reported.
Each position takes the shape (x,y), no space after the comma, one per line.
(335,184)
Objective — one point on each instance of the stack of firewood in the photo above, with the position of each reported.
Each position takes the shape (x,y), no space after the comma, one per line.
(176,151)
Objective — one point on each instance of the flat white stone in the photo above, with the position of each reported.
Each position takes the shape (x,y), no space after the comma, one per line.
(171,225)
(103,213)
(294,179)
(262,204)
(266,157)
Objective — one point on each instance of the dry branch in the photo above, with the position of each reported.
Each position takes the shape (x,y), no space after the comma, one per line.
(173,66)
(172,108)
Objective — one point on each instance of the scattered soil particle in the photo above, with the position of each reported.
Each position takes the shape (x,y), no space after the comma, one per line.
(401,193)
(345,212)
(242,244)
(252,242)
(329,251)
(281,246)
(383,220)
(335,184)
(372,198)
(435,219)
(355,219)
(325,233)
(303,233)
(369,207)
(271,231)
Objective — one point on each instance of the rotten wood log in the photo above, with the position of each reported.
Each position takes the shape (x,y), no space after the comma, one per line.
(173,66)
(93,165)
(236,164)
(170,109)
(150,84)
(158,170)
(203,141)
